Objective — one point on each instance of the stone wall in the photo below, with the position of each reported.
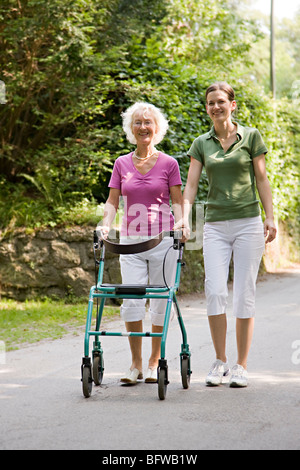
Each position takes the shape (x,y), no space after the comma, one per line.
(52,263)
(60,262)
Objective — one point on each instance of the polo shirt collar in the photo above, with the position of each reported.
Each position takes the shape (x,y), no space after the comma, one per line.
(240,131)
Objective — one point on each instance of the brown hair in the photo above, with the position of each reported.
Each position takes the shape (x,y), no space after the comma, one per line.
(224,86)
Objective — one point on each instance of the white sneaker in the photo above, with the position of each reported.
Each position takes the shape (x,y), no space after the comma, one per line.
(218,370)
(239,377)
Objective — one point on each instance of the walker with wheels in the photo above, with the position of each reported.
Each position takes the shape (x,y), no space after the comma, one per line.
(92,368)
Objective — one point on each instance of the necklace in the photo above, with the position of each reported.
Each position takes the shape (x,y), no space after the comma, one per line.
(144,158)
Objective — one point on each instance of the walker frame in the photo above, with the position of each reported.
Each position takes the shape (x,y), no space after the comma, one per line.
(92,368)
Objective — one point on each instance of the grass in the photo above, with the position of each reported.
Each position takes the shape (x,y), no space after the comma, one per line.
(32,321)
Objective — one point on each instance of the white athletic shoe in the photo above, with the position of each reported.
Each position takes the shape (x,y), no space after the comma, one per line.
(239,377)
(218,370)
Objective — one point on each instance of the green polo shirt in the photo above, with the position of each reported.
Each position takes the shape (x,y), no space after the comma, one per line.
(230,174)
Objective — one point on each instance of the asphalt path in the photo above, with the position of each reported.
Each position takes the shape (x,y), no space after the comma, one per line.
(42,406)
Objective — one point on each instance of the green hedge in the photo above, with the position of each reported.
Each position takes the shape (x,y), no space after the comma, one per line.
(70,67)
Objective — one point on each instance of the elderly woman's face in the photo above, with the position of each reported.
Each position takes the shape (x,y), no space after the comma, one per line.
(143,127)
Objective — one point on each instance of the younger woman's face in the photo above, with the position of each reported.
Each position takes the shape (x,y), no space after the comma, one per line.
(219,107)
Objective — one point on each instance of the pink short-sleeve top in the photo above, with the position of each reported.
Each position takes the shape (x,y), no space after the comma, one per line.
(146,197)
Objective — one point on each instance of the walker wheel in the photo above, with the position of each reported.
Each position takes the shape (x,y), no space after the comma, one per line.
(185,371)
(98,368)
(87,381)
(162,384)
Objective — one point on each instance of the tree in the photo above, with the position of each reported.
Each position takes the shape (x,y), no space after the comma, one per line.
(72,66)
(59,61)
(287,53)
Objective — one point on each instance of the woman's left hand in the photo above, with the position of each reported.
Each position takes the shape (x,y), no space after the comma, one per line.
(184,227)
(270,230)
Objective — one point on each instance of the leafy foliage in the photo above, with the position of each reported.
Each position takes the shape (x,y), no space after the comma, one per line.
(72,66)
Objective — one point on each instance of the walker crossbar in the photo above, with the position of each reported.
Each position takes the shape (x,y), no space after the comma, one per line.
(92,371)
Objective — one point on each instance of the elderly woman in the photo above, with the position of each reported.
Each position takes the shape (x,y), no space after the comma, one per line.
(146,179)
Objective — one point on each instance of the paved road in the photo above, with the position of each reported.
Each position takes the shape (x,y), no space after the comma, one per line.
(42,406)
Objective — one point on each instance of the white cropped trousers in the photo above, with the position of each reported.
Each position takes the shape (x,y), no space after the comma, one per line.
(147,268)
(244,238)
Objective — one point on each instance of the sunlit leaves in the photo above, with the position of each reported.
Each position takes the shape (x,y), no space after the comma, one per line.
(72,66)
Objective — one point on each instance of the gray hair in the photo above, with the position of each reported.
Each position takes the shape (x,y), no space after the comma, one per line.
(160,121)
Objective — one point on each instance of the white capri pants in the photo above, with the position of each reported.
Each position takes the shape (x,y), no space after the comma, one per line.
(144,268)
(244,238)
